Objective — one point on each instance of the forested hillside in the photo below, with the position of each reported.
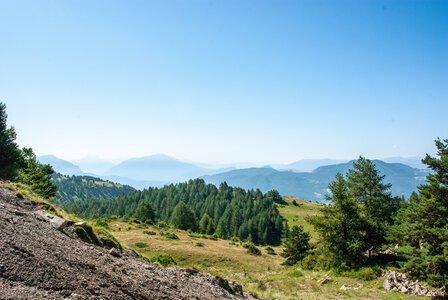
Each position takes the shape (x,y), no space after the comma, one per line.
(77,188)
(226,211)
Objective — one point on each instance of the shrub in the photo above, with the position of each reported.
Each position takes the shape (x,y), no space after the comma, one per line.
(200,244)
(171,236)
(235,239)
(102,223)
(270,250)
(141,245)
(149,232)
(295,273)
(163,260)
(251,248)
(149,222)
(294,202)
(162,225)
(104,232)
(365,274)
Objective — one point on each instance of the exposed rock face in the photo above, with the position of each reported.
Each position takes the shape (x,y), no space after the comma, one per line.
(39,262)
(398,282)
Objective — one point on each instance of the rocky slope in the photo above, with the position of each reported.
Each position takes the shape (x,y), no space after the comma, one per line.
(38,261)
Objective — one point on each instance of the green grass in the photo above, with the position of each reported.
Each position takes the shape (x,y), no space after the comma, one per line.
(296,215)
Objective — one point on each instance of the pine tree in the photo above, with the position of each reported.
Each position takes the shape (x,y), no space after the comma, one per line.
(184,218)
(9,152)
(340,226)
(144,211)
(296,246)
(36,175)
(422,224)
(377,206)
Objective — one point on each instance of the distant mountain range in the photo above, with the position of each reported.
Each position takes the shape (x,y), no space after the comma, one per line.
(312,186)
(158,170)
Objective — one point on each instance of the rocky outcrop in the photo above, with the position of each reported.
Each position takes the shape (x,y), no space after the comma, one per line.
(398,282)
(37,261)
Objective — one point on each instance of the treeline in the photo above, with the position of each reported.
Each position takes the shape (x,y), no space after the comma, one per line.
(363,220)
(78,188)
(21,165)
(195,205)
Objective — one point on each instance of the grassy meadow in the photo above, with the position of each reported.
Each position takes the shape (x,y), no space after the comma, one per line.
(264,275)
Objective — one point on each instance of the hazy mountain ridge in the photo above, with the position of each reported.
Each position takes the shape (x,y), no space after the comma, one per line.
(159,170)
(312,186)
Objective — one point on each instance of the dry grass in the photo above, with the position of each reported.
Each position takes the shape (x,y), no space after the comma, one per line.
(263,275)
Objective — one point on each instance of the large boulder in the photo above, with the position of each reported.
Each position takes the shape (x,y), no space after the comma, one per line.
(54,220)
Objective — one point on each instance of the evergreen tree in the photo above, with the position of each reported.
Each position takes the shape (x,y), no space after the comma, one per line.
(184,218)
(205,223)
(9,152)
(144,211)
(296,246)
(36,175)
(422,225)
(377,206)
(340,226)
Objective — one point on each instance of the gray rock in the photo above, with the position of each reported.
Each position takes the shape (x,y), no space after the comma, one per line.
(54,221)
(115,252)
(386,285)
(80,224)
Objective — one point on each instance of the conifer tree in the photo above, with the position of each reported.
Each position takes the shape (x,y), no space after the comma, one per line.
(296,246)
(422,225)
(9,152)
(144,211)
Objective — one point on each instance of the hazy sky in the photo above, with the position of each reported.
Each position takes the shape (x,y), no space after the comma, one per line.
(226,81)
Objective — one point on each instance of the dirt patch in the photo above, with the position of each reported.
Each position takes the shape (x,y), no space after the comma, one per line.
(38,261)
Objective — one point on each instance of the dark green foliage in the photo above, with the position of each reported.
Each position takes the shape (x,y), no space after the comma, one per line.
(361,212)
(200,244)
(163,260)
(421,227)
(206,225)
(296,246)
(141,245)
(341,227)
(184,218)
(9,152)
(249,215)
(171,236)
(270,250)
(149,232)
(144,211)
(294,202)
(377,206)
(251,248)
(36,175)
(102,222)
(275,196)
(366,274)
(72,189)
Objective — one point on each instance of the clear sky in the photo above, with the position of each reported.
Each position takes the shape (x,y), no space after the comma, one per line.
(226,81)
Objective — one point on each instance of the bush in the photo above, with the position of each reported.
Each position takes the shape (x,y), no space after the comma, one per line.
(251,248)
(141,245)
(162,225)
(365,274)
(149,232)
(163,260)
(294,202)
(200,244)
(313,262)
(171,236)
(149,222)
(295,273)
(235,239)
(102,223)
(102,231)
(270,250)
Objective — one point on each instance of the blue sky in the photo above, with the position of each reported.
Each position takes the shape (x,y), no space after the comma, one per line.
(226,81)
